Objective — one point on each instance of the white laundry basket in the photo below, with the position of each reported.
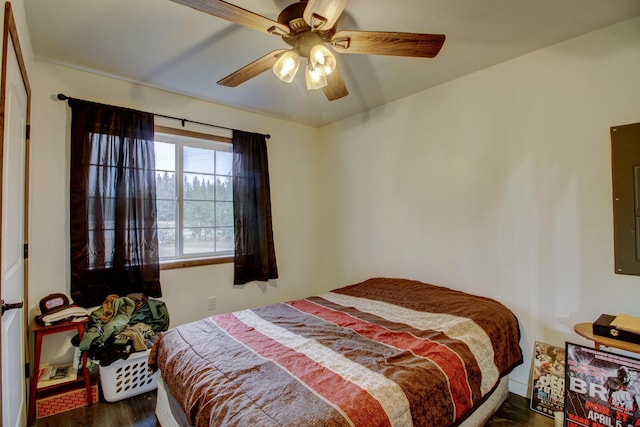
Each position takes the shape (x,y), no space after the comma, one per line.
(127,377)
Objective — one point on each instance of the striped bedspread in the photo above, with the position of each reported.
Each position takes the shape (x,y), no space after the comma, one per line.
(384,352)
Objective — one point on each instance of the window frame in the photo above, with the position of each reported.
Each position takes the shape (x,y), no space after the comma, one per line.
(193,261)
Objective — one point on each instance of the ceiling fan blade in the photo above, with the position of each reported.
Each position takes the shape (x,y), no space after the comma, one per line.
(388,43)
(237,15)
(323,14)
(335,88)
(250,71)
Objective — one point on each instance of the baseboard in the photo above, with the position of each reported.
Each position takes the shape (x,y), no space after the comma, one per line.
(518,387)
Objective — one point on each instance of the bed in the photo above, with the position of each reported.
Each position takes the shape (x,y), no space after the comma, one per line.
(384,352)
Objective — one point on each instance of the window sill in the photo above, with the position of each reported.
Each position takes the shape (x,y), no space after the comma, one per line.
(171,265)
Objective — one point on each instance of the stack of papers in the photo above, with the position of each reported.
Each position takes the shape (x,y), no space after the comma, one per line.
(71,313)
(51,375)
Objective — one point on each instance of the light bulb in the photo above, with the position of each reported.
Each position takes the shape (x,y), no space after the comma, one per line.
(321,60)
(287,66)
(314,80)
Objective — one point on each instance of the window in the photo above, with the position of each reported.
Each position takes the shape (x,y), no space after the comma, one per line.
(194,195)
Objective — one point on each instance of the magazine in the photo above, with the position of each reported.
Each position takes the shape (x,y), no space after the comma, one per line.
(547,387)
(603,388)
(52,375)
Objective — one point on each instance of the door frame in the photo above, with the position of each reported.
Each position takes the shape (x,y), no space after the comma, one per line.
(11,32)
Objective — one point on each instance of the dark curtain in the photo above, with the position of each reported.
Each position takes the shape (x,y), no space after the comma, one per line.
(255,257)
(114,244)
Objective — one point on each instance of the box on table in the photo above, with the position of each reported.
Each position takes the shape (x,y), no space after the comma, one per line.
(127,377)
(65,401)
(604,326)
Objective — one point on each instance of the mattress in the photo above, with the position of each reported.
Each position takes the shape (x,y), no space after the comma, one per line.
(170,414)
(382,352)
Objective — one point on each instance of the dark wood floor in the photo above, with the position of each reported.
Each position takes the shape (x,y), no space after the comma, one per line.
(515,412)
(138,411)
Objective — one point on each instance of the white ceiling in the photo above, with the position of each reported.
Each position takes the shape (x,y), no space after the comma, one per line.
(166,45)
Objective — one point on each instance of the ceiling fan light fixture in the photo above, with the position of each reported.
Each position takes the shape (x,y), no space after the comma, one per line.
(287,66)
(314,80)
(321,60)
(309,27)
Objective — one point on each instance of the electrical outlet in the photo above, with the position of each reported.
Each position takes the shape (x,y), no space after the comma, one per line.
(211,303)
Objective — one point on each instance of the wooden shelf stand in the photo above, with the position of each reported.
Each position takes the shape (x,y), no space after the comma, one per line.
(83,374)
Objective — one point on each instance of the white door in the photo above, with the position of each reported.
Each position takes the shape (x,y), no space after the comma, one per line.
(12,241)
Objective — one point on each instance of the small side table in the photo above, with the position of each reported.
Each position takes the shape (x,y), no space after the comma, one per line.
(586,330)
(83,375)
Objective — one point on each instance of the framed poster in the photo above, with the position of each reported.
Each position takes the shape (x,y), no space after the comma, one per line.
(547,385)
(602,388)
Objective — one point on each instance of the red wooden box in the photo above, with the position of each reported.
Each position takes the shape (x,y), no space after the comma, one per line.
(65,401)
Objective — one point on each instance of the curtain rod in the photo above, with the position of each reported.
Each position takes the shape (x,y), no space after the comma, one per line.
(63,97)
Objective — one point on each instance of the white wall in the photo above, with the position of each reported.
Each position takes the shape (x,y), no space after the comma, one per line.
(497,183)
(294,176)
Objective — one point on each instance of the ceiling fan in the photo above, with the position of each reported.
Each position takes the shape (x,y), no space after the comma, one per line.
(308,26)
